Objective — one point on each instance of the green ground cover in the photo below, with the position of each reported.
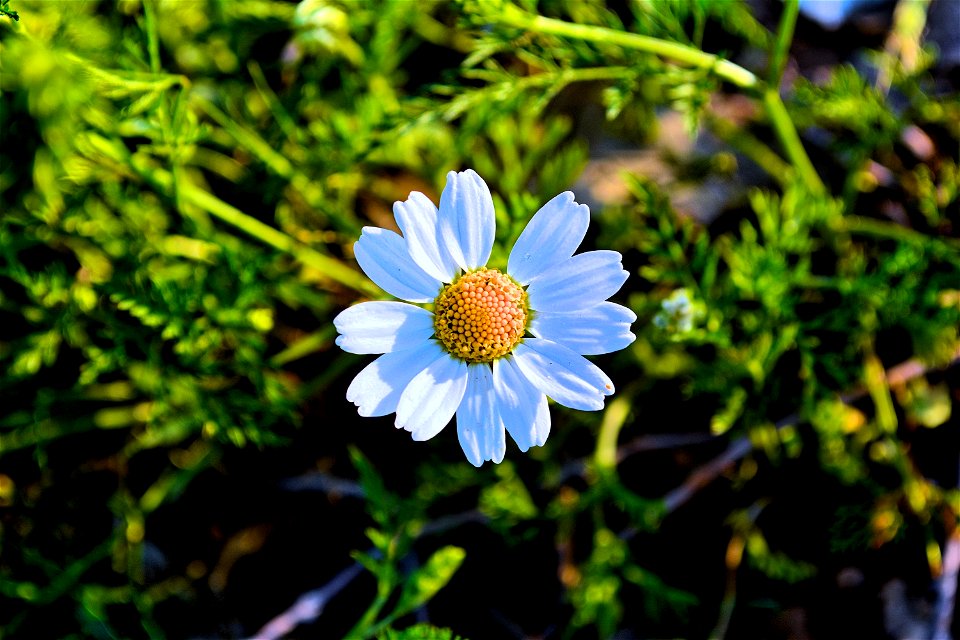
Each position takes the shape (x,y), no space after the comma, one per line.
(181,186)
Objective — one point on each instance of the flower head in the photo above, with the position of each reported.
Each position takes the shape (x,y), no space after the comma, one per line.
(678,313)
(491,346)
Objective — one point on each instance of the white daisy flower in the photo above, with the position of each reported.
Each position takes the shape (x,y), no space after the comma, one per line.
(489,347)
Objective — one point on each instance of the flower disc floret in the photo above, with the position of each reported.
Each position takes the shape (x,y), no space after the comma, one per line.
(481,317)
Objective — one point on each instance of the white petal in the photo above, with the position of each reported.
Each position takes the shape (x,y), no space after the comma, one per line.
(541,424)
(376,390)
(432,397)
(603,328)
(467,221)
(383,256)
(565,376)
(478,425)
(417,219)
(522,407)
(579,282)
(552,235)
(381,327)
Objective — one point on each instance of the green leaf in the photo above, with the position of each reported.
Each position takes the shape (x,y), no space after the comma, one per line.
(426,581)
(381,504)
(731,412)
(508,500)
(6,11)
(369,562)
(420,632)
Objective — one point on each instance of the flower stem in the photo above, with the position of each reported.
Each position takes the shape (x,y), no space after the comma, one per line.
(790,140)
(614,418)
(328,266)
(733,73)
(364,626)
(776,111)
(778,58)
(750,146)
(940,247)
(153,40)
(192,194)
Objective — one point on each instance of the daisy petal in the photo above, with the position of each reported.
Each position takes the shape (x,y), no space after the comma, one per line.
(551,236)
(579,282)
(522,407)
(417,219)
(467,220)
(601,329)
(562,374)
(376,390)
(541,423)
(432,397)
(380,327)
(478,427)
(383,256)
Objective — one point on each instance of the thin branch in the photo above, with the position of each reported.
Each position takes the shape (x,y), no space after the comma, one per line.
(729,71)
(729,602)
(778,59)
(445,523)
(737,450)
(770,95)
(656,442)
(790,140)
(947,588)
(325,483)
(308,606)
(650,442)
(705,474)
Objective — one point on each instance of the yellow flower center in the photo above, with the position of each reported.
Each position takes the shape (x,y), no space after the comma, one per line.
(481,316)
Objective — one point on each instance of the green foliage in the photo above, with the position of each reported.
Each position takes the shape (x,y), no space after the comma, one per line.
(398,523)
(775,564)
(6,11)
(424,583)
(848,102)
(182,184)
(598,594)
(506,501)
(420,632)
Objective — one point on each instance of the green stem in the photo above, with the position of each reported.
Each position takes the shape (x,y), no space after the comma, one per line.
(790,140)
(274,160)
(724,69)
(614,418)
(776,111)
(305,346)
(69,577)
(284,120)
(328,266)
(363,628)
(42,431)
(153,41)
(552,83)
(778,59)
(750,146)
(941,247)
(436,32)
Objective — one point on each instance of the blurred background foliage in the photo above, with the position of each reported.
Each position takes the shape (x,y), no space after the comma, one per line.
(182,182)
